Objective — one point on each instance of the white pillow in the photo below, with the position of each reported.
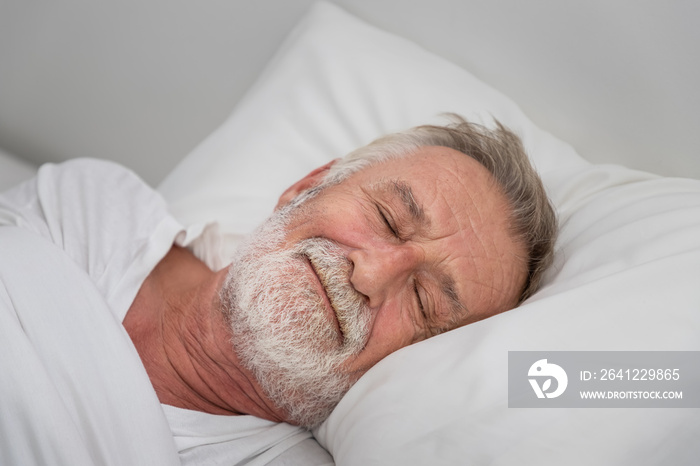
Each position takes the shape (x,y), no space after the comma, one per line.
(626,271)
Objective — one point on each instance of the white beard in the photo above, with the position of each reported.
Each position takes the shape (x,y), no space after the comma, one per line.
(281,328)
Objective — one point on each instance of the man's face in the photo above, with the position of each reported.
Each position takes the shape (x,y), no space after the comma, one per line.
(416,246)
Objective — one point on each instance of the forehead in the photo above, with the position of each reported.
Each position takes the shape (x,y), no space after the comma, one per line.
(448,183)
(440,170)
(466,233)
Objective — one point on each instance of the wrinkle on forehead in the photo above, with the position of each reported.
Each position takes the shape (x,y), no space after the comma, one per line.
(469,215)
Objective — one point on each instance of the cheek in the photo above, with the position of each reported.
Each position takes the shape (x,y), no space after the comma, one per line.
(390,332)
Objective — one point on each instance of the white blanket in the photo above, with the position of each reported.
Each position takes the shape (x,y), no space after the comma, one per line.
(73,390)
(86,398)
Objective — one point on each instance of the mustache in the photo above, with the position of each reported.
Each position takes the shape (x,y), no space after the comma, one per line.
(334,271)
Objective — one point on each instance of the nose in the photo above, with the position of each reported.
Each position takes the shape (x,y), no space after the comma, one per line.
(381,272)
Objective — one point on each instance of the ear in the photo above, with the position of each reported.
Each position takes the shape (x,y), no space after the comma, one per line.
(309,181)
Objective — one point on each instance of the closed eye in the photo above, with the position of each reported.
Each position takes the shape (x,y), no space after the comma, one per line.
(387,222)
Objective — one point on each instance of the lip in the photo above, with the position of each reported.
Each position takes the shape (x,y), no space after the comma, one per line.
(321,289)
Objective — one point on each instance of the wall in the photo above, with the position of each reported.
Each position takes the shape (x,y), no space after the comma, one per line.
(144,82)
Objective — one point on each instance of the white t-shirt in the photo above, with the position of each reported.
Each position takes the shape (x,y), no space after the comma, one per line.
(116,229)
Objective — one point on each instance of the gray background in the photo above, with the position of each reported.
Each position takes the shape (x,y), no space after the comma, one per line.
(142,82)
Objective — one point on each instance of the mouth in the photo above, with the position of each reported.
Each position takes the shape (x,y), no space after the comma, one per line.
(321,289)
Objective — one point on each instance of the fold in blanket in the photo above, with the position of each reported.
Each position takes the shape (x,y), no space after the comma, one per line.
(73,390)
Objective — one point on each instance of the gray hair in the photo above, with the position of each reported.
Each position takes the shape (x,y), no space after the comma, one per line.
(500,151)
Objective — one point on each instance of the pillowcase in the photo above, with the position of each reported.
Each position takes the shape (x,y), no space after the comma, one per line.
(625,276)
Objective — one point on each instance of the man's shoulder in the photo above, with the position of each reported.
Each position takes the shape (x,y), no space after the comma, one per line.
(97,172)
(99,186)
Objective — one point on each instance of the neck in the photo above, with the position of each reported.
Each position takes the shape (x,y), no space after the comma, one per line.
(183,340)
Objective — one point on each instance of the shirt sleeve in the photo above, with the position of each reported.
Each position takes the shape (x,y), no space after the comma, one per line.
(105,218)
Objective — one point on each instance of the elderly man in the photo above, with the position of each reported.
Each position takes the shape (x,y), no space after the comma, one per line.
(416,234)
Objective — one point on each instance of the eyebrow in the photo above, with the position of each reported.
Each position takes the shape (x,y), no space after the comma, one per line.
(405,194)
(448,285)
